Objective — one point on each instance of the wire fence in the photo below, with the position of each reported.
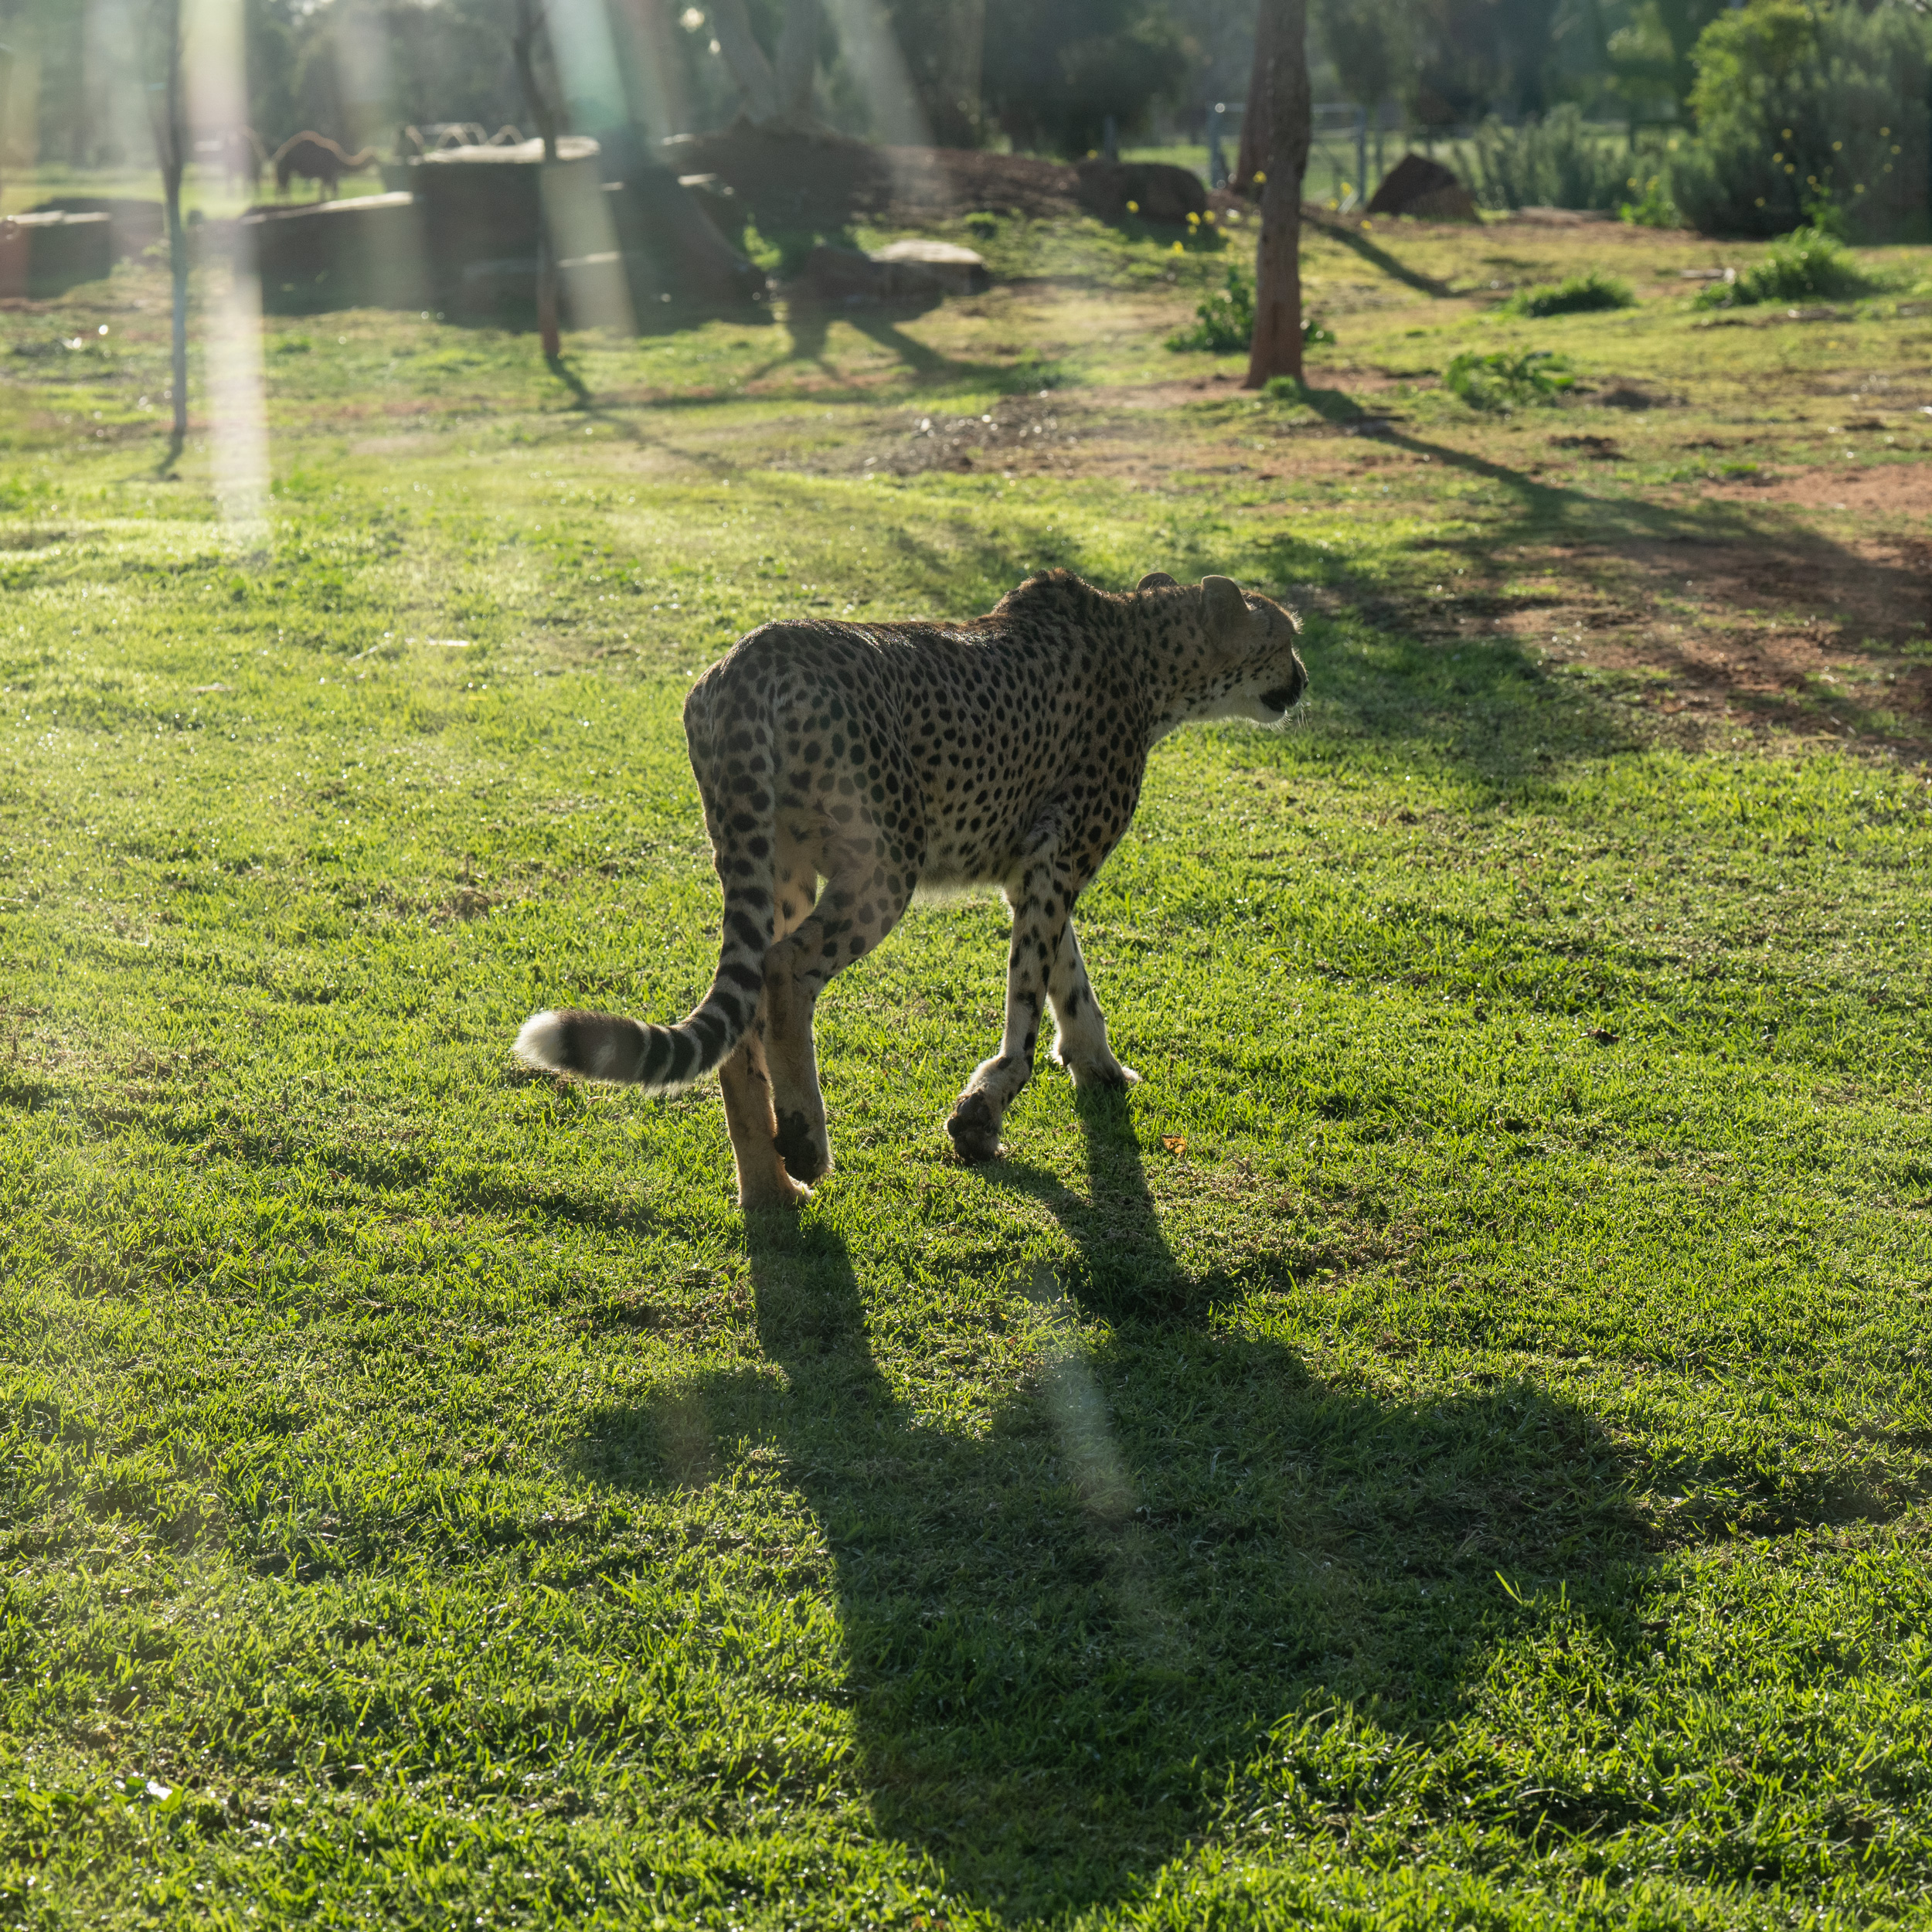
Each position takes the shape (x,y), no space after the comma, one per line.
(1351,150)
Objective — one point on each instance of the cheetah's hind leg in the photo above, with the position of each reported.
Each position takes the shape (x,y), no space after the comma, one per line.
(864,898)
(758,1145)
(1081,1047)
(764,1184)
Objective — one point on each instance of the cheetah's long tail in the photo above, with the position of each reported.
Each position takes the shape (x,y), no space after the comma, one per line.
(603,1046)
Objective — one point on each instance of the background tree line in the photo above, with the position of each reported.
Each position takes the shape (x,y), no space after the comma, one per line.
(1047,76)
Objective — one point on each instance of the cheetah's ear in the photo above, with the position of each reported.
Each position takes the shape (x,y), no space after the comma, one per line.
(1221,600)
(1158,580)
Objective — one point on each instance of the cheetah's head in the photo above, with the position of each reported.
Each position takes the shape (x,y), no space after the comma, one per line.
(1244,661)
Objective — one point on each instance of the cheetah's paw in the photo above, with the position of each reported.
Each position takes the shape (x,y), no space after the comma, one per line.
(1111,1078)
(974,1128)
(783,1196)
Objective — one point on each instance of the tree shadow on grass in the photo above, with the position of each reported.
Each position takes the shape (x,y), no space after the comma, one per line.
(1454,656)
(1064,1635)
(809,324)
(1347,236)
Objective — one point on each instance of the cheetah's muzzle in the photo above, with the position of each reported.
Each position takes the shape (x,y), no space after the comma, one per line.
(844,767)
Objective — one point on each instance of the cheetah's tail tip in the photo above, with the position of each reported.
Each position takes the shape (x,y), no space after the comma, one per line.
(540,1043)
(602,1046)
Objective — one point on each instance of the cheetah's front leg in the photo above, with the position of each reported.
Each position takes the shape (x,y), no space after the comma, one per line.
(1041,896)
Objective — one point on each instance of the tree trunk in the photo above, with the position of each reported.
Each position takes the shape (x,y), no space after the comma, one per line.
(166,118)
(775,92)
(1280,90)
(958,117)
(798,58)
(757,84)
(530,20)
(6,91)
(178,273)
(654,67)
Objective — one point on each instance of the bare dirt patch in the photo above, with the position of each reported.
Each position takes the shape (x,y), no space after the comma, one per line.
(1815,634)
(1890,490)
(1029,436)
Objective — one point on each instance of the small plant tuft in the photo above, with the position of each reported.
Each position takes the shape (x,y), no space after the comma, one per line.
(1575,295)
(1653,208)
(1809,264)
(1503,379)
(1224,320)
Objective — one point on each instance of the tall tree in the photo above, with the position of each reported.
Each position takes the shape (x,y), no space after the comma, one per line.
(167,115)
(1280,109)
(6,92)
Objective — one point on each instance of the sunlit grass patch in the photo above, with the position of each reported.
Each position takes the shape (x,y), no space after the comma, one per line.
(1450,1445)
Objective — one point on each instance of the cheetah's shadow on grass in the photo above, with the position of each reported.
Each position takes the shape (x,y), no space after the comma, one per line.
(1064,1633)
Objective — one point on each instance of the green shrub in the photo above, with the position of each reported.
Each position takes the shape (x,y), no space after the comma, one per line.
(1223,320)
(1807,265)
(1575,295)
(1556,162)
(1800,107)
(1503,379)
(1653,207)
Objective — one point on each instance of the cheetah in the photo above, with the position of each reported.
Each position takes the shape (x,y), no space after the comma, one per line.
(890,760)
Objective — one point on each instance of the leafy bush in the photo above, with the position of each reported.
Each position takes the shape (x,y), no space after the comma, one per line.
(1807,265)
(1799,106)
(1502,379)
(1556,162)
(1223,320)
(1573,296)
(1653,207)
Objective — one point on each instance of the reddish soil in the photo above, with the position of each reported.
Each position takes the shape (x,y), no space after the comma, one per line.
(1826,635)
(1892,490)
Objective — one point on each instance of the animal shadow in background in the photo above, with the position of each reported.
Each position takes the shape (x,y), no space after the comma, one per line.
(1061,1636)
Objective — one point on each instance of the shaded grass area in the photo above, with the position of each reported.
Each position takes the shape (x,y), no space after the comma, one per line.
(1449,1448)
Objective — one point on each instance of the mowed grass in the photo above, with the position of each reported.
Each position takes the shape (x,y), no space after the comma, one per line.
(1452,1447)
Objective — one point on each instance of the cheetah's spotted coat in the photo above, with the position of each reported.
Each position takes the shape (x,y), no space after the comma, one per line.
(884,758)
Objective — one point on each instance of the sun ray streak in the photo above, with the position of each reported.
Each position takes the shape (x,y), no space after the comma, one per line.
(871,52)
(1093,1460)
(237,410)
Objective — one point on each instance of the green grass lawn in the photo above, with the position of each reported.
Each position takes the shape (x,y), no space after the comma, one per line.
(1452,1448)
